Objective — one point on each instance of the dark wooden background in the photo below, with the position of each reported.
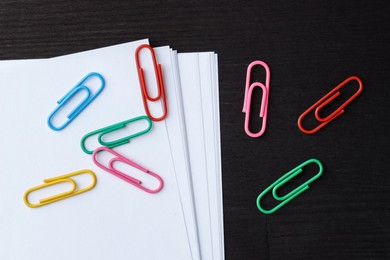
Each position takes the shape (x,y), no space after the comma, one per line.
(310,46)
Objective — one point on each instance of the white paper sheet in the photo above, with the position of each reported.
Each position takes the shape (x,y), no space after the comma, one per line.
(217,141)
(178,141)
(206,62)
(200,91)
(205,87)
(115,220)
(192,104)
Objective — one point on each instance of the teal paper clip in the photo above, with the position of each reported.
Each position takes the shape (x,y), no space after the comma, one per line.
(285,178)
(80,107)
(111,128)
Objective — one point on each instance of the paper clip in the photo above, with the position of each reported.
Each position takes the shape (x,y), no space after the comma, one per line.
(121,175)
(108,129)
(63,195)
(80,107)
(285,178)
(160,84)
(248,97)
(326,100)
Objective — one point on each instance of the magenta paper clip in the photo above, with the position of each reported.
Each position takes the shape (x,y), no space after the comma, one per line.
(248,97)
(121,175)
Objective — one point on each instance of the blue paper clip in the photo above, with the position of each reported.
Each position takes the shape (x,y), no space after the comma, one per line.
(292,194)
(79,108)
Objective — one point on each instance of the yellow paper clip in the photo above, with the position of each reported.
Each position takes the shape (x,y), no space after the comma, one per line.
(63,195)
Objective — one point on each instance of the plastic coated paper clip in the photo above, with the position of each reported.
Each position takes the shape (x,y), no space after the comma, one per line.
(80,107)
(326,100)
(159,80)
(285,178)
(248,97)
(108,129)
(121,175)
(63,195)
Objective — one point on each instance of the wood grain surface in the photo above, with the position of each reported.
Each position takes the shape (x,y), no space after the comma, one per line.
(310,46)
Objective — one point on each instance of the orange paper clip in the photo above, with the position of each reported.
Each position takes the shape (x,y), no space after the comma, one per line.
(248,97)
(326,100)
(160,84)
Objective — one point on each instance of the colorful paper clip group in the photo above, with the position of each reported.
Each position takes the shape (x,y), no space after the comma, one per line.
(108,129)
(80,107)
(320,104)
(56,180)
(248,96)
(282,180)
(119,158)
(160,84)
(102,132)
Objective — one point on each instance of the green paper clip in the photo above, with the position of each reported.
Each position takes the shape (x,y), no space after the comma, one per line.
(111,128)
(285,178)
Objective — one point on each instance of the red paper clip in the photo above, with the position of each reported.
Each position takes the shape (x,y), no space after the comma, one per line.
(248,97)
(160,84)
(326,100)
(119,158)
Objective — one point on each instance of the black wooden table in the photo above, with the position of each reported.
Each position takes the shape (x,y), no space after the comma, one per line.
(310,46)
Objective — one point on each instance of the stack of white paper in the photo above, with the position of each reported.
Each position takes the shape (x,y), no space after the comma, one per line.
(114,220)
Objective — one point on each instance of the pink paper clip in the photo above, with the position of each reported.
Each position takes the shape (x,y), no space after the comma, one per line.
(121,175)
(248,96)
